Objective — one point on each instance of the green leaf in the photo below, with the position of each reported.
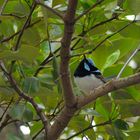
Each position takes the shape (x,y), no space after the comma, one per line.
(39,103)
(12,136)
(110,8)
(91,112)
(121,124)
(111,59)
(131,32)
(25,53)
(27,115)
(57,2)
(47,85)
(55,73)
(31,37)
(17,111)
(86,3)
(115,69)
(133,6)
(28,54)
(31,85)
(101,109)
(37,126)
(21,8)
(134,93)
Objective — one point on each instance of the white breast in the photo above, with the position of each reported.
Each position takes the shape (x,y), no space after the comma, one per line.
(87,83)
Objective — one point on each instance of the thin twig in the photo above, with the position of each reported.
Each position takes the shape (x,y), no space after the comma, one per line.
(34,137)
(48,35)
(24,26)
(50,9)
(18,32)
(99,44)
(3,6)
(24,96)
(13,15)
(88,10)
(5,122)
(49,58)
(6,109)
(90,29)
(89,127)
(126,63)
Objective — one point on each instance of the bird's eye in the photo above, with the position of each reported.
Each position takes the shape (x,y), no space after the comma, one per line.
(86,67)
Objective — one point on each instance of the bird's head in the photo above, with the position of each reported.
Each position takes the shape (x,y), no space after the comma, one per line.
(85,67)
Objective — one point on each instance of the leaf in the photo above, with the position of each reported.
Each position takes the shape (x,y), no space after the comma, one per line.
(28,54)
(132,32)
(86,3)
(27,115)
(22,8)
(110,8)
(57,2)
(91,112)
(56,76)
(111,59)
(17,111)
(134,93)
(115,69)
(101,109)
(31,37)
(36,127)
(47,85)
(31,54)
(133,6)
(39,103)
(121,124)
(31,85)
(12,136)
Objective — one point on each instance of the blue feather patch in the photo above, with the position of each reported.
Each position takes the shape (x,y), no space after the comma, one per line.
(86,67)
(91,62)
(96,71)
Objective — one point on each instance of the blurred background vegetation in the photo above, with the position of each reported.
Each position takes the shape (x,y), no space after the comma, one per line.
(108,34)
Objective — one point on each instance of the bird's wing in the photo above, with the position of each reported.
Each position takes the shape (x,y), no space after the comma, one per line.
(101,78)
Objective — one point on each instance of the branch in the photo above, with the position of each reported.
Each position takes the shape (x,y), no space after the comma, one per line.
(6,109)
(112,35)
(100,43)
(88,10)
(24,96)
(90,29)
(50,9)
(89,127)
(126,63)
(25,25)
(3,6)
(112,85)
(13,15)
(49,58)
(62,120)
(18,32)
(69,97)
(5,122)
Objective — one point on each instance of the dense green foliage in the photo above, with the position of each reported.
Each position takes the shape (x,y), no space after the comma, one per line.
(116,113)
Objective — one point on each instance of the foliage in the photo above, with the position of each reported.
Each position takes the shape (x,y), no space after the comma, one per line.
(116,114)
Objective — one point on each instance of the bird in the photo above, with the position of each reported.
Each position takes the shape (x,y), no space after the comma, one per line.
(87,76)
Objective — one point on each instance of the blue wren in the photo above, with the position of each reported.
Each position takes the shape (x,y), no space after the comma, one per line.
(87,76)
